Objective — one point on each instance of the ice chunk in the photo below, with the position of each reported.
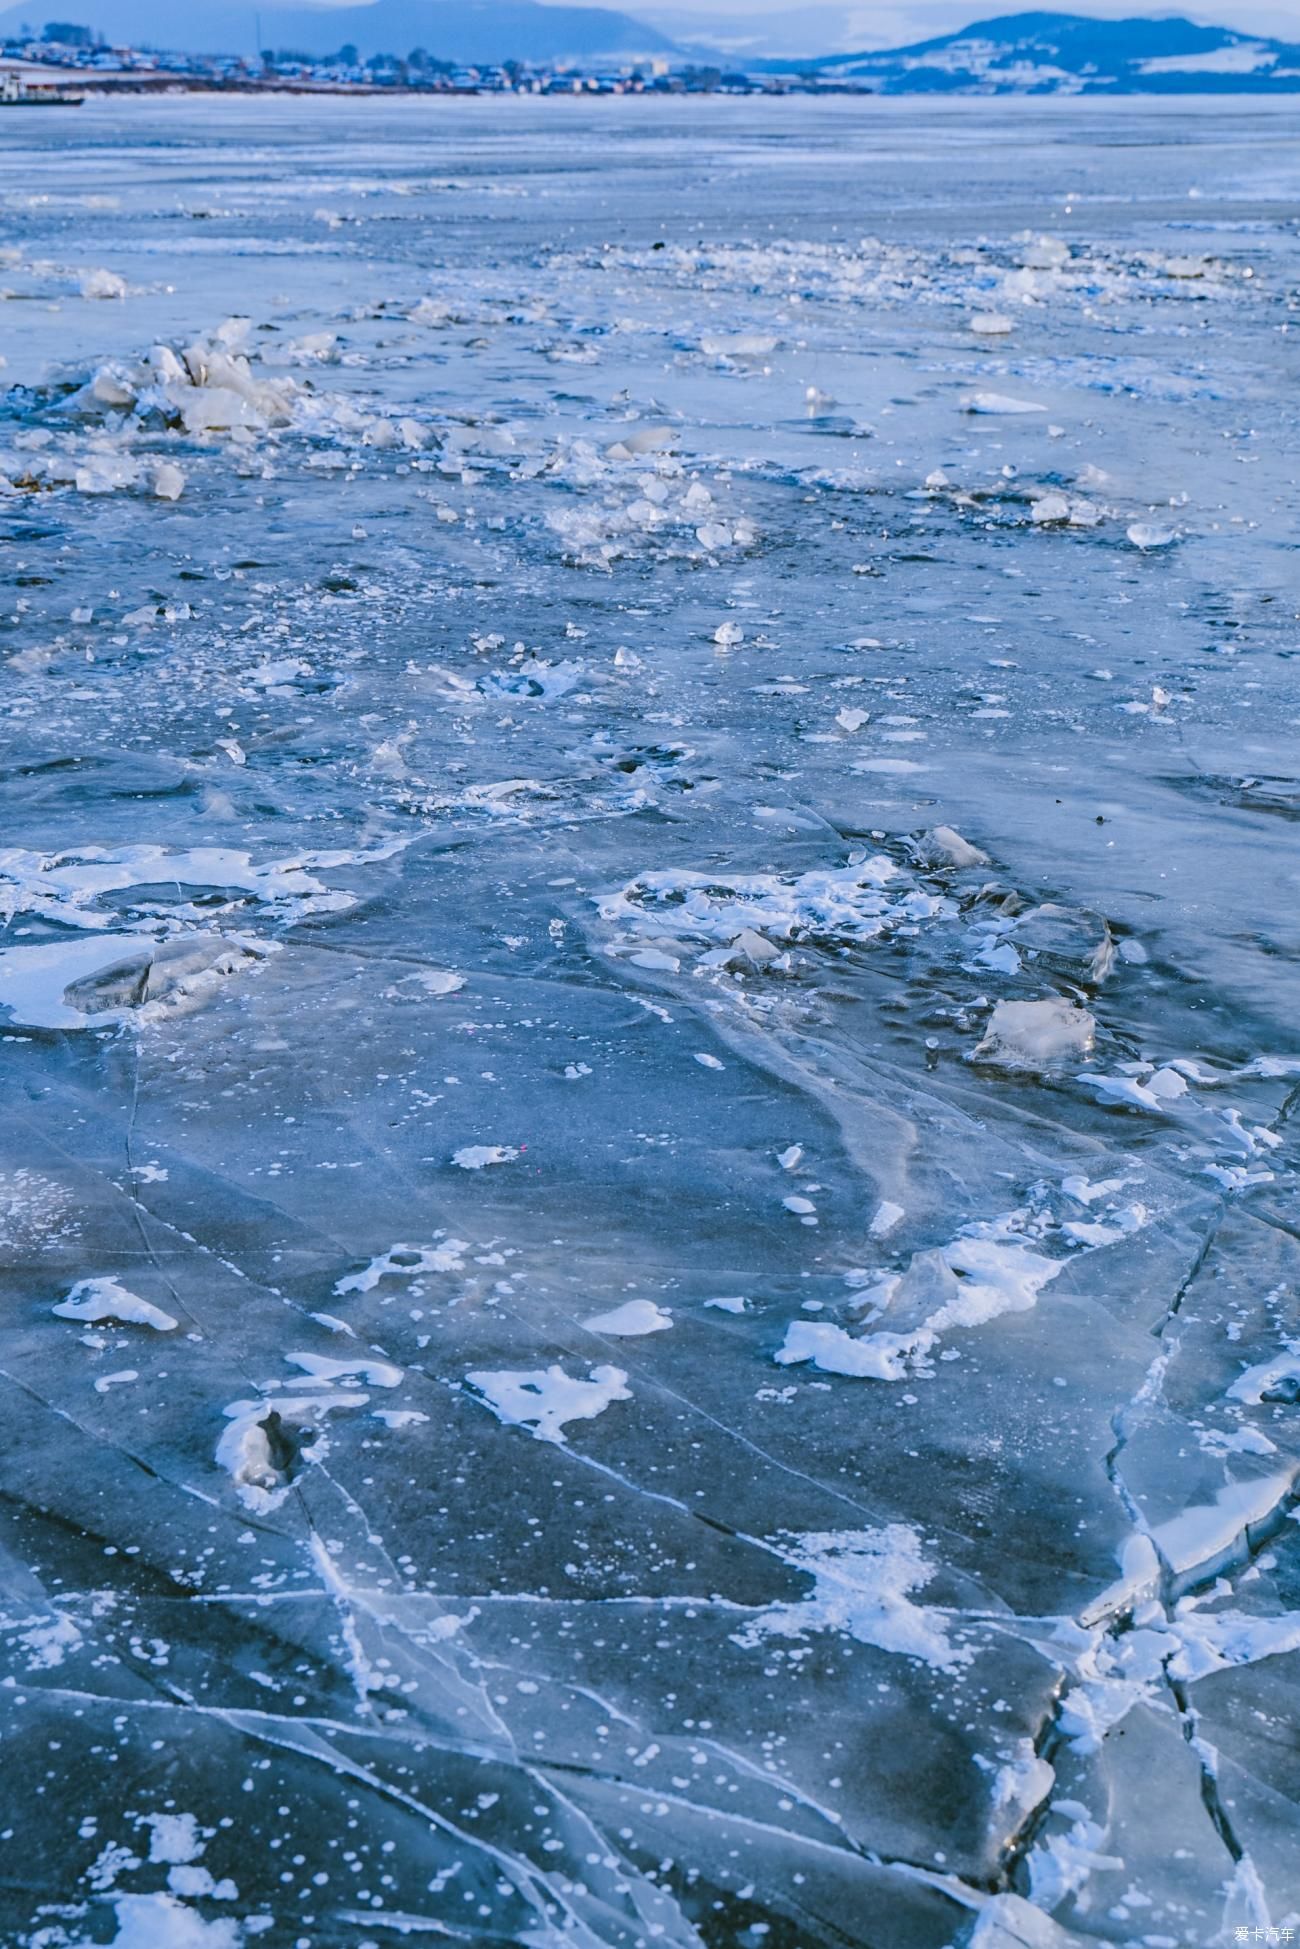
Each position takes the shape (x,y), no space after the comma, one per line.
(1199,1540)
(105,1299)
(641,439)
(942,846)
(1151,534)
(547,1399)
(78,983)
(991,402)
(1050,508)
(102,284)
(637,1316)
(1036,1035)
(476,1157)
(103,472)
(738,345)
(1074,941)
(437,981)
(1160,1089)
(877,1357)
(992,324)
(168,481)
(1045,254)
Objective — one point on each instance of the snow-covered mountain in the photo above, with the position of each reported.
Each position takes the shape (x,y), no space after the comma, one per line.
(1044,53)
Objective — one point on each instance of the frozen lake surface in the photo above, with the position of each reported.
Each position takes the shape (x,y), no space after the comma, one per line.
(648,1006)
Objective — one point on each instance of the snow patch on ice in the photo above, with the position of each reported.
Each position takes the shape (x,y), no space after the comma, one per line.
(636,1317)
(862,1585)
(104,1299)
(477,1157)
(547,1399)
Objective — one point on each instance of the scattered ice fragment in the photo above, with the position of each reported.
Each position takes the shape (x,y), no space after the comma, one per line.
(738,345)
(283,670)
(102,284)
(474,1157)
(708,1062)
(1036,1035)
(896,767)
(731,1303)
(635,1317)
(991,324)
(990,402)
(168,481)
(942,846)
(887,1217)
(857,902)
(105,1299)
(727,635)
(436,981)
(1085,1192)
(790,1158)
(641,439)
(834,1351)
(1148,1090)
(547,1399)
(1050,508)
(998,956)
(379,1373)
(1148,534)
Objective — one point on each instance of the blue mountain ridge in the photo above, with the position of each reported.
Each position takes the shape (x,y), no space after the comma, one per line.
(452,30)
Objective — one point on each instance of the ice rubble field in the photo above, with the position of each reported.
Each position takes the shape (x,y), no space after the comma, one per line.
(649,1026)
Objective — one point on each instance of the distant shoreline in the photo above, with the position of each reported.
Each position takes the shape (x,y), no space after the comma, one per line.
(144,86)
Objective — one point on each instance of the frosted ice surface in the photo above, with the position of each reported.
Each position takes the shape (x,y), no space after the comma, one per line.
(647,1169)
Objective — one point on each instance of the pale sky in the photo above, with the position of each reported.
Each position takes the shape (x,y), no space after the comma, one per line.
(813,26)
